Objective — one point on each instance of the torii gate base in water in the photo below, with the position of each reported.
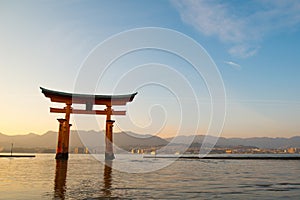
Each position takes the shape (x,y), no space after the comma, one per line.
(62,150)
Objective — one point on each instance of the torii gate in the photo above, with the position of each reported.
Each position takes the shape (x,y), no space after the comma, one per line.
(62,150)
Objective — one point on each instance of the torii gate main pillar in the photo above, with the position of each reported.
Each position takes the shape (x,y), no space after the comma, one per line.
(62,149)
(109,153)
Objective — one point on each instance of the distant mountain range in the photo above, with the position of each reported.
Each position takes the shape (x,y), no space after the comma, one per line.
(130,140)
(260,142)
(80,139)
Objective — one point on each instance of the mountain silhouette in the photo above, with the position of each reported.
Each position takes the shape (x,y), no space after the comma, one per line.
(128,140)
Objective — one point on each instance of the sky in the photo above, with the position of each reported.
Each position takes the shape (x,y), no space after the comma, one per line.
(253,44)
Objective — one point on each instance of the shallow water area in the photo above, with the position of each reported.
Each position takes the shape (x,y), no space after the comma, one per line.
(85,177)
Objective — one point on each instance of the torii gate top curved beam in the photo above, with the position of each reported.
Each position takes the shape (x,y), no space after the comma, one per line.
(70,98)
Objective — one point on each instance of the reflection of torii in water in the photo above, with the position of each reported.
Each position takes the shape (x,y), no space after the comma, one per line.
(62,150)
(107,178)
(61,178)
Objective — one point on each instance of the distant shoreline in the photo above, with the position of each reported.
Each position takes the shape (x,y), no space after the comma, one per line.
(246,157)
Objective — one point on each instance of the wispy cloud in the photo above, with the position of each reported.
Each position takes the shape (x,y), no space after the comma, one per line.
(233,64)
(242,24)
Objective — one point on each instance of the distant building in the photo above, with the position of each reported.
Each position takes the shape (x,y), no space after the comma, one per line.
(291,150)
(228,151)
(81,150)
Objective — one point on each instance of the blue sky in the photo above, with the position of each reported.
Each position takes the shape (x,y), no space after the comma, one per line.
(255,45)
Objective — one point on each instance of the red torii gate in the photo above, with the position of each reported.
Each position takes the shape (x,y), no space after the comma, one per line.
(62,150)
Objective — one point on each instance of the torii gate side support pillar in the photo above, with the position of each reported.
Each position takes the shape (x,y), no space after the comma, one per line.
(109,154)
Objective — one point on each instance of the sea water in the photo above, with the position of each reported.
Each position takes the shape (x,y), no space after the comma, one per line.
(135,177)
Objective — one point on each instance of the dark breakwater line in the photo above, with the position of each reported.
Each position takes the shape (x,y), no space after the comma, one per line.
(231,157)
(17,156)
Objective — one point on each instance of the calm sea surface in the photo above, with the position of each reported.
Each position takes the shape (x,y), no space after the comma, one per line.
(84,177)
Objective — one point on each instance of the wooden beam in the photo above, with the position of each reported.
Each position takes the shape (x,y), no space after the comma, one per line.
(71,98)
(89,112)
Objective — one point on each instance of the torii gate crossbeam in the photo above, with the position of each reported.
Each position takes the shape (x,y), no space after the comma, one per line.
(62,150)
